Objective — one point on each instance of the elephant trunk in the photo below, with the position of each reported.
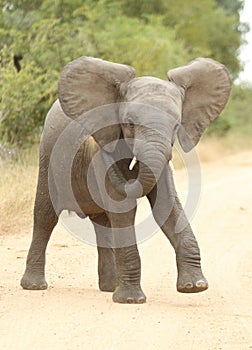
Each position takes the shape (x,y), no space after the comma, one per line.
(151,163)
(150,167)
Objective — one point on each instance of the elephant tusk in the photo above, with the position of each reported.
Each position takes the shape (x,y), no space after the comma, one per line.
(132,163)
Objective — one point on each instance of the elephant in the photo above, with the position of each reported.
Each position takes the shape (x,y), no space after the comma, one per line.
(107,141)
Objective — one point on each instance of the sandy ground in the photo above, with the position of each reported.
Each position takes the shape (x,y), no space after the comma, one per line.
(74,314)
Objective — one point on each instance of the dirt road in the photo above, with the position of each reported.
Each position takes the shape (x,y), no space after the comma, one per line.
(73,314)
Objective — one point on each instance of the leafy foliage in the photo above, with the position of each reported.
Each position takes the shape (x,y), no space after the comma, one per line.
(231,6)
(151,35)
(25,98)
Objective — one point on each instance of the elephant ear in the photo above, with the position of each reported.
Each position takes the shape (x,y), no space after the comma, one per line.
(207,86)
(87,83)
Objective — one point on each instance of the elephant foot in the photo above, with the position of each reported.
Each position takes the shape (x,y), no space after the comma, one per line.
(32,281)
(129,295)
(191,281)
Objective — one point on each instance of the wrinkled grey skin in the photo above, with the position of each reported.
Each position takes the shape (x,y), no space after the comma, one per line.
(146,124)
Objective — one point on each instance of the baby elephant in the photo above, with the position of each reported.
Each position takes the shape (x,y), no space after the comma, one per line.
(107,141)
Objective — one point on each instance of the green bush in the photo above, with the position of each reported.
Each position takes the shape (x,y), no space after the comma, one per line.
(26,96)
(150,35)
(150,48)
(25,99)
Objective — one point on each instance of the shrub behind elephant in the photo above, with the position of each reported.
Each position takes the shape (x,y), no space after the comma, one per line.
(104,118)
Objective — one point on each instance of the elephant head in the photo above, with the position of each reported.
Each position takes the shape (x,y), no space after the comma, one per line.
(151,111)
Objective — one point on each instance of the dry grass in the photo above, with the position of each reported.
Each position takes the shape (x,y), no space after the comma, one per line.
(17,192)
(211,149)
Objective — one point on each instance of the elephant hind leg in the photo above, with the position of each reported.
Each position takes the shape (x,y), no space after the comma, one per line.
(106,253)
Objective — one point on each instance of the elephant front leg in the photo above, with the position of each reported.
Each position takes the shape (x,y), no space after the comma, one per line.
(34,276)
(129,273)
(190,276)
(45,220)
(170,216)
(128,262)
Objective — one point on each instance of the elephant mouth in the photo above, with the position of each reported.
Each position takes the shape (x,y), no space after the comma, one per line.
(126,176)
(116,168)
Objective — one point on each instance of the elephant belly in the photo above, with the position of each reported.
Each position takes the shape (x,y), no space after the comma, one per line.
(90,208)
(86,204)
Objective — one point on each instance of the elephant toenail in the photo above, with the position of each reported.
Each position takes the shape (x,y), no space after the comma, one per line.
(130,301)
(189,285)
(141,300)
(200,283)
